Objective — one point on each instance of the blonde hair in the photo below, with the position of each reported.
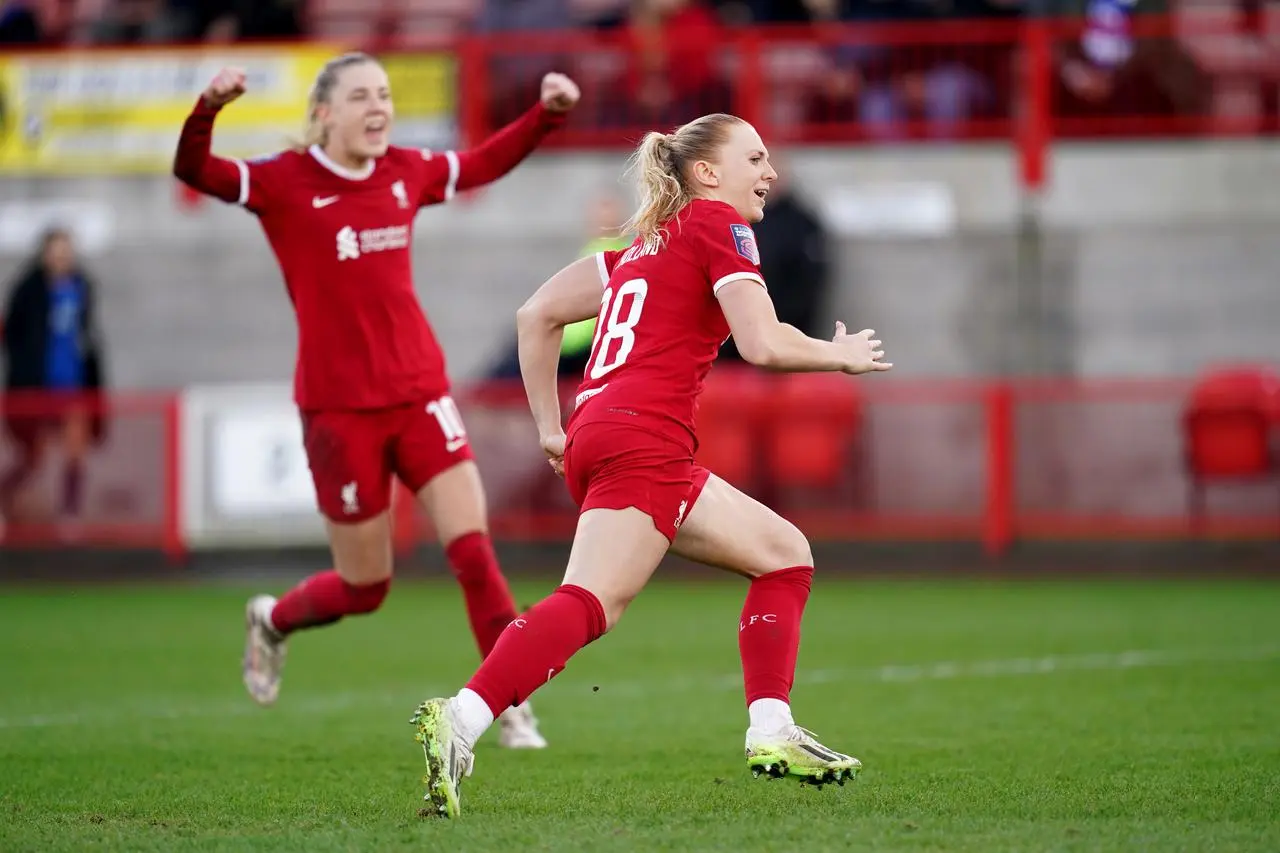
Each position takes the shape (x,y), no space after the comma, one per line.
(659,165)
(321,90)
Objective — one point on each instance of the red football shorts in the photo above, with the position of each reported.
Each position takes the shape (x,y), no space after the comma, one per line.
(616,466)
(354,454)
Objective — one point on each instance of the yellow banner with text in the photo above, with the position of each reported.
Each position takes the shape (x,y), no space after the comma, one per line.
(107,112)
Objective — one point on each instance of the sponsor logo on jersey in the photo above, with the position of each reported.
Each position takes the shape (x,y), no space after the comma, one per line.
(352,244)
(745,241)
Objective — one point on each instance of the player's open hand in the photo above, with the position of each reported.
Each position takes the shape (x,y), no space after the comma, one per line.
(863,350)
(225,88)
(559,93)
(553,446)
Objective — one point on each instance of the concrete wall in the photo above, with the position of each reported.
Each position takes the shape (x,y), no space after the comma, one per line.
(1154,260)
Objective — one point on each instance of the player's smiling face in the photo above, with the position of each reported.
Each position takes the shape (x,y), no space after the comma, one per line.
(742,175)
(359,114)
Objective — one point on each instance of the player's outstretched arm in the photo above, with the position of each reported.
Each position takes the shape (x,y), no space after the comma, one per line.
(503,151)
(569,296)
(766,342)
(194,163)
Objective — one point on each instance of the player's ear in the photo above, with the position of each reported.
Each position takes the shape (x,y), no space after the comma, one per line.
(705,174)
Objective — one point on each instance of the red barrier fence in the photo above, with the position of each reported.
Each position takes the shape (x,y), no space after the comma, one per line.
(968,460)
(129,488)
(1022,81)
(878,458)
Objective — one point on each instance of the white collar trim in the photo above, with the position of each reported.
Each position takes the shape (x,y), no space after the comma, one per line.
(341,171)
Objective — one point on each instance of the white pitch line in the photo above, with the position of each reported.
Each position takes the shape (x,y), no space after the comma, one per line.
(1006,667)
(891,674)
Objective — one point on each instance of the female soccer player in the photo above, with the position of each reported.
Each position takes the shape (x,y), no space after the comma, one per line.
(370,382)
(669,301)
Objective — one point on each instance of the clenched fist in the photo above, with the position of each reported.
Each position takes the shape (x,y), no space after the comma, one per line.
(553,446)
(559,93)
(225,88)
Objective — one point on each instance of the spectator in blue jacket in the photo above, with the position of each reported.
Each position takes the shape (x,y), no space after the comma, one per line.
(52,346)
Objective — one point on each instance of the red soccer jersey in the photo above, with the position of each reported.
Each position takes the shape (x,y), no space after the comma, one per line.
(344,240)
(660,325)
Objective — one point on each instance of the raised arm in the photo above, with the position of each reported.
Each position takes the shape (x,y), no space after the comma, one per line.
(503,151)
(194,164)
(766,342)
(571,295)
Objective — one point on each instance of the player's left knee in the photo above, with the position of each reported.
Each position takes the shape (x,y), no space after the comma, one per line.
(786,548)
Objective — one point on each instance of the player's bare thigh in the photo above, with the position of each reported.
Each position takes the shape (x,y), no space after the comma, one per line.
(455,502)
(614,553)
(729,530)
(362,552)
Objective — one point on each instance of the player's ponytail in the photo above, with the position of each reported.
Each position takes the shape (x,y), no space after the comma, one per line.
(658,166)
(315,132)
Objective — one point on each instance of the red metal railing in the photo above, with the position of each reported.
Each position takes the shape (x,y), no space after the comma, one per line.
(985,461)
(993,462)
(129,445)
(992,80)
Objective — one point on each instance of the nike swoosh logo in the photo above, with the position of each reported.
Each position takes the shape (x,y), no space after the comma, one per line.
(456,444)
(318,202)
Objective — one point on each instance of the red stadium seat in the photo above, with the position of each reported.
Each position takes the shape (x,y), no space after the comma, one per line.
(727,422)
(813,431)
(1231,426)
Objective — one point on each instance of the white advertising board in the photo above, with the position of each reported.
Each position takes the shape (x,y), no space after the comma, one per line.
(245,478)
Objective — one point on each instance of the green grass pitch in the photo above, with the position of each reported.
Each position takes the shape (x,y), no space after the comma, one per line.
(1032,716)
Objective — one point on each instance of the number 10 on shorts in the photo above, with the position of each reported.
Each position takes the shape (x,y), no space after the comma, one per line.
(445,411)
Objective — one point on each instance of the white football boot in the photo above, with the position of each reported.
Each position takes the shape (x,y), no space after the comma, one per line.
(794,751)
(264,651)
(449,758)
(518,729)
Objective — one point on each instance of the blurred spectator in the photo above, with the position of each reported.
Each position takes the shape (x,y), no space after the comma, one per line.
(19,23)
(51,345)
(515,75)
(671,76)
(744,12)
(135,22)
(794,260)
(884,86)
(1110,72)
(605,217)
(231,20)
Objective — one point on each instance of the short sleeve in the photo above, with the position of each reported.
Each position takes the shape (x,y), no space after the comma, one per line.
(261,182)
(729,250)
(605,262)
(439,177)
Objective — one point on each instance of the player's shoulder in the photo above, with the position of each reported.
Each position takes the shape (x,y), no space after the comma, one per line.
(709,211)
(400,157)
(704,219)
(287,158)
(719,224)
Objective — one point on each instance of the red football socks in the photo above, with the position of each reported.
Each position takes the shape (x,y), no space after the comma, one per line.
(324,598)
(769,633)
(536,646)
(490,607)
